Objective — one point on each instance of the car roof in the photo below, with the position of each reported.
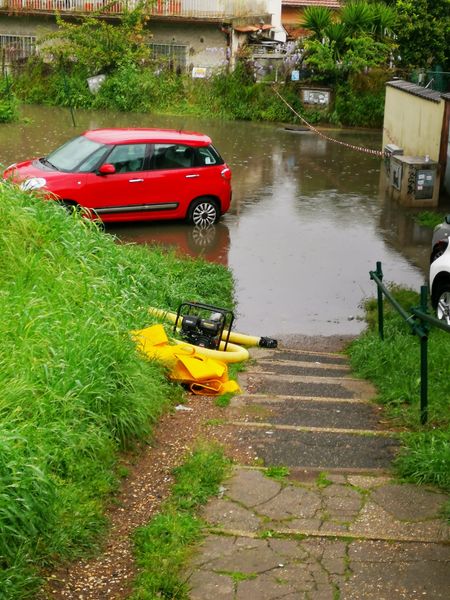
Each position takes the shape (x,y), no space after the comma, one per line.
(133,135)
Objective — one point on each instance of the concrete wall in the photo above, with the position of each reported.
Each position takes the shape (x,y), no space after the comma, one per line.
(207,44)
(413,122)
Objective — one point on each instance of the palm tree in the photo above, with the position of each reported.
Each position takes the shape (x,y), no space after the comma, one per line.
(384,20)
(317,19)
(357,17)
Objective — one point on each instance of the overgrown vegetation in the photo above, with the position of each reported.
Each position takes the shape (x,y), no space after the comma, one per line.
(9,105)
(73,389)
(394,366)
(163,545)
(430,219)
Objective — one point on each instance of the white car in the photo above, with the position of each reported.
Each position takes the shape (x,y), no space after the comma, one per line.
(441,234)
(440,285)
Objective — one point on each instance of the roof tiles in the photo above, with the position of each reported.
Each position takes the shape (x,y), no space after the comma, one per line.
(305,3)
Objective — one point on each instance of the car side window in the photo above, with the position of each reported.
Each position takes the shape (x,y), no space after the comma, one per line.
(172,156)
(127,158)
(206,157)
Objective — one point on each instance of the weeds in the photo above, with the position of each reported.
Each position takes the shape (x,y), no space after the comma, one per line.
(164,544)
(73,390)
(277,472)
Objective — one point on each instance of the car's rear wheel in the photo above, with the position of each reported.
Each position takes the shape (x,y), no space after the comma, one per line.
(443,303)
(203,212)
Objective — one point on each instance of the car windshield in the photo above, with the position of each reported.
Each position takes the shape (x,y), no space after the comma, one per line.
(71,155)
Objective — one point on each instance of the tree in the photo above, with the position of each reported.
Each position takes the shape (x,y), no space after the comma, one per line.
(96,46)
(423,32)
(360,36)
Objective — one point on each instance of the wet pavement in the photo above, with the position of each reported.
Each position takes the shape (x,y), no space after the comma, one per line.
(331,523)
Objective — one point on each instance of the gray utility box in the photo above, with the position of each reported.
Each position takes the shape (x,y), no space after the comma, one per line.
(414,181)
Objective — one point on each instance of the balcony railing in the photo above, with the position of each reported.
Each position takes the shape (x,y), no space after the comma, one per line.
(195,9)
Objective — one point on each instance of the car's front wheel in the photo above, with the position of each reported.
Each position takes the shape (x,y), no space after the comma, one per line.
(443,303)
(203,212)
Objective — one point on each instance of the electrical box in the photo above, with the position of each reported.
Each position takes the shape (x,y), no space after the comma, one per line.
(414,181)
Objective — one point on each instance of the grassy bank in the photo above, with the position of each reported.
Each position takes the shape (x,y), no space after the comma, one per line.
(394,367)
(73,390)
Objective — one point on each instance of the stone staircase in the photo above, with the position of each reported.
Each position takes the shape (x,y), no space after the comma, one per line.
(337,525)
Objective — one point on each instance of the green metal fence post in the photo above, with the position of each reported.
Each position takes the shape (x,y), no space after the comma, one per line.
(424,357)
(379,274)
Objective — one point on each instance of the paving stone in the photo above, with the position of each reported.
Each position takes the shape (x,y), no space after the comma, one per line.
(384,571)
(291,502)
(213,547)
(287,549)
(251,487)
(206,585)
(264,587)
(409,502)
(374,521)
(248,560)
(367,482)
(343,507)
(303,525)
(229,515)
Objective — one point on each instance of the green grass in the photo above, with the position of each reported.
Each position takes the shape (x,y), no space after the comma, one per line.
(277,472)
(73,389)
(394,366)
(163,546)
(430,219)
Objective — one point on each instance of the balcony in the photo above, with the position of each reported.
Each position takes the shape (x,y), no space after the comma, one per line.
(178,9)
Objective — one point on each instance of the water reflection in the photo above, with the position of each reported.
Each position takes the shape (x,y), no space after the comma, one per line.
(308,220)
(211,243)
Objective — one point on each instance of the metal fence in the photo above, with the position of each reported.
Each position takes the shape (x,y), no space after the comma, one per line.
(14,48)
(215,9)
(420,323)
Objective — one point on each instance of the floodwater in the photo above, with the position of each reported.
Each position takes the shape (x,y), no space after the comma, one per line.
(308,222)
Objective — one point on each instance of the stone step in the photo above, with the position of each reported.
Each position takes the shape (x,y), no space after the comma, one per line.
(304,356)
(255,383)
(302,368)
(315,448)
(306,413)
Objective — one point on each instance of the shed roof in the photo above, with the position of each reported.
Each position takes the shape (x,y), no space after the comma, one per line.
(415,90)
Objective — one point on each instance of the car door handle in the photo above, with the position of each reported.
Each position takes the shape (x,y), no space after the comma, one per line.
(135,180)
(191,176)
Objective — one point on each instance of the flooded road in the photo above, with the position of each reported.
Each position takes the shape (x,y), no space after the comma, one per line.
(307,223)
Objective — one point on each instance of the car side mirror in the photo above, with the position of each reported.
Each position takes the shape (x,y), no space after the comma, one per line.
(447,219)
(106,169)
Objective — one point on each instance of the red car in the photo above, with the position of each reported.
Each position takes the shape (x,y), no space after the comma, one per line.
(133,175)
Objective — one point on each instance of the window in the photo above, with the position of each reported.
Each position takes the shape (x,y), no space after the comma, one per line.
(172,156)
(174,55)
(17,47)
(128,157)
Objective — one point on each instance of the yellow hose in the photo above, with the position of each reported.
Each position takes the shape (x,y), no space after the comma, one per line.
(234,352)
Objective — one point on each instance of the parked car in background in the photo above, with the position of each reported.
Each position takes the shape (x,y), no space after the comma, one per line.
(440,284)
(134,174)
(440,239)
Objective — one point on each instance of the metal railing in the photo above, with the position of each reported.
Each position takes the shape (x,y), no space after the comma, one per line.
(196,9)
(420,323)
